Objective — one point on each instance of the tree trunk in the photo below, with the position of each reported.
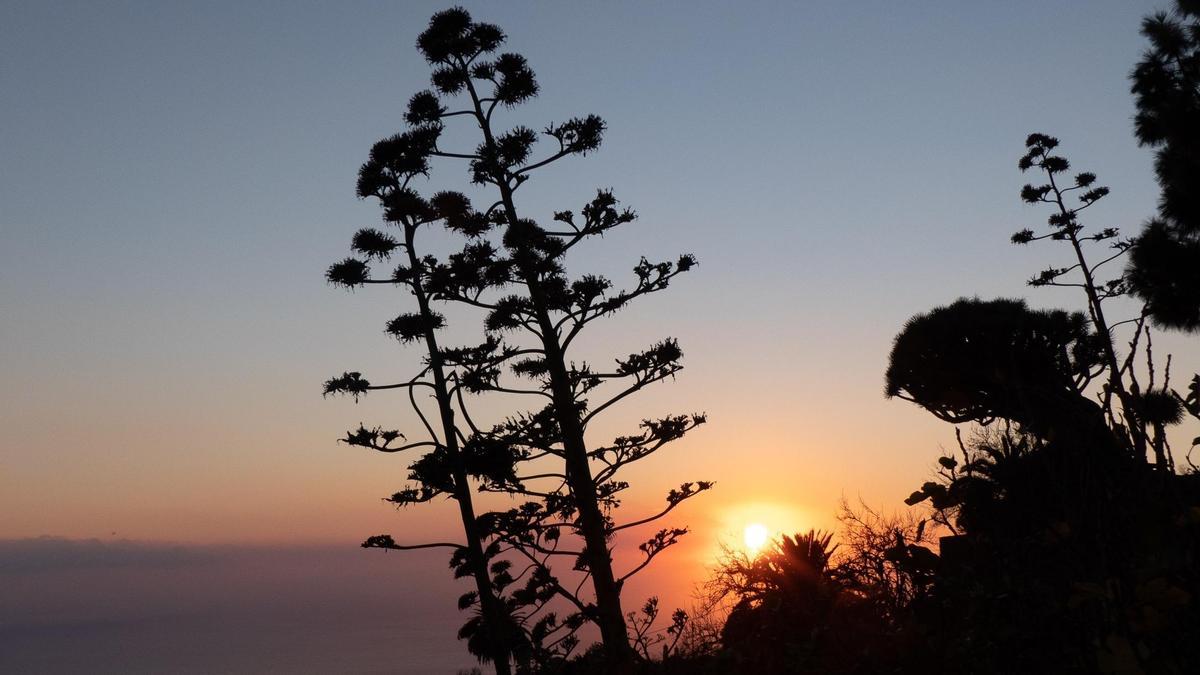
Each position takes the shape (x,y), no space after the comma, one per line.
(494,616)
(609,617)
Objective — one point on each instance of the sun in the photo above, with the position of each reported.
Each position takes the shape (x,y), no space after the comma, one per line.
(756,536)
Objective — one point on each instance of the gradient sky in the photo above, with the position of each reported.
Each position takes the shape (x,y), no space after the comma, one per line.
(174,178)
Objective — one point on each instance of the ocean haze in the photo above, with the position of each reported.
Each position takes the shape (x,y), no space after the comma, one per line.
(127,607)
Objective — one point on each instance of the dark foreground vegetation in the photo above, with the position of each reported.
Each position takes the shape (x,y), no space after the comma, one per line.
(1062,536)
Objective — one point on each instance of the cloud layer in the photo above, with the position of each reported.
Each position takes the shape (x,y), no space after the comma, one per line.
(48,554)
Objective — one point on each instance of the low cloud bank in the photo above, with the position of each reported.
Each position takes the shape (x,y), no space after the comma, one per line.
(47,554)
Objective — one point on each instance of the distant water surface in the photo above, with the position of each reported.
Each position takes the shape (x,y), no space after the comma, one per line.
(123,607)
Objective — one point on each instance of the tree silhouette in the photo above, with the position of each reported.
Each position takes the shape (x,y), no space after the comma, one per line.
(552,311)
(1144,411)
(1164,267)
(1065,226)
(445,469)
(513,270)
(977,361)
(1053,507)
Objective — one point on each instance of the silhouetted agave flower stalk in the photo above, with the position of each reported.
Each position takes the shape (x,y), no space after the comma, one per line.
(520,283)
(1069,481)
(1067,198)
(447,466)
(542,307)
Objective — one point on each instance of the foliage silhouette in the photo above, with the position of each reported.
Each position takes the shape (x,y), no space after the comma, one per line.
(887,560)
(800,607)
(547,311)
(1164,268)
(446,469)
(1060,537)
(1069,541)
(1073,542)
(1065,226)
(977,361)
(512,270)
(1070,549)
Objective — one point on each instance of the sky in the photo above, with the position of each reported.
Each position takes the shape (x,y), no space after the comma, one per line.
(175,178)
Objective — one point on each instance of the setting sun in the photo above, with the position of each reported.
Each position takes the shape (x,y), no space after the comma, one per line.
(756,536)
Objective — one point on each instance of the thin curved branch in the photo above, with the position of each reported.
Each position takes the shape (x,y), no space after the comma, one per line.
(413,547)
(415,406)
(410,446)
(403,385)
(670,507)
(531,167)
(634,388)
(649,557)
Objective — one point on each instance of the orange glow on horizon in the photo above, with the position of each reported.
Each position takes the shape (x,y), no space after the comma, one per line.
(750,527)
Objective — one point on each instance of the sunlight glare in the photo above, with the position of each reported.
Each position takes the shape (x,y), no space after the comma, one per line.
(756,536)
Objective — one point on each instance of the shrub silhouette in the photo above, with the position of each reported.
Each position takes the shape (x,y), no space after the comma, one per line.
(1065,538)
(797,610)
(976,361)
